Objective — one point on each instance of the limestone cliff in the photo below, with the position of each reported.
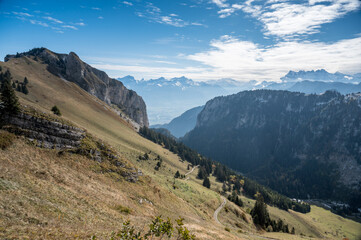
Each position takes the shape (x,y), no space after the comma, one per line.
(71,68)
(303,145)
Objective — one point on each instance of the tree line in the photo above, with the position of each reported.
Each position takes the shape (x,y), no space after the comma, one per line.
(223,173)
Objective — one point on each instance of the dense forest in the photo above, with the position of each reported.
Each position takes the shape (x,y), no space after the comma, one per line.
(230,178)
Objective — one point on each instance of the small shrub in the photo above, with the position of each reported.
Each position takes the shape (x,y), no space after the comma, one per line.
(227,229)
(6,139)
(56,110)
(123,209)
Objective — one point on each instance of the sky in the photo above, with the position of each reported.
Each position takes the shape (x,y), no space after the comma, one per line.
(200,39)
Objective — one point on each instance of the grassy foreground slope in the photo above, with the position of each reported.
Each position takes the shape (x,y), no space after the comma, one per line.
(45,196)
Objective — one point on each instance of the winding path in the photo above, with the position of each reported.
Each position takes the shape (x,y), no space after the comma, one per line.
(190,172)
(215,215)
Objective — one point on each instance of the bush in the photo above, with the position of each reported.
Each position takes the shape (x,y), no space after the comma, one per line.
(158,229)
(123,209)
(6,139)
(56,110)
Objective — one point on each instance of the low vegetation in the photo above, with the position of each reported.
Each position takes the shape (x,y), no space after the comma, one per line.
(6,139)
(158,229)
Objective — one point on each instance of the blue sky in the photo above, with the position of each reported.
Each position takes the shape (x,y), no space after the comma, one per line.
(199,39)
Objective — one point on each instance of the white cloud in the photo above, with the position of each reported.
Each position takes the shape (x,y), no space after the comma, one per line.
(53,19)
(127,3)
(24,14)
(35,22)
(221,3)
(153,13)
(70,27)
(96,8)
(244,60)
(285,18)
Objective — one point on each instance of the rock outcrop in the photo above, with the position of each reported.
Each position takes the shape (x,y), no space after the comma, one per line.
(71,68)
(47,132)
(43,132)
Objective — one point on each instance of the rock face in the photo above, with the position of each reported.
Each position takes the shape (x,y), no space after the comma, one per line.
(71,68)
(301,145)
(45,133)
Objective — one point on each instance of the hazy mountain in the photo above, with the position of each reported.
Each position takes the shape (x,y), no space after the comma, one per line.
(161,95)
(71,68)
(302,145)
(321,75)
(179,126)
(167,98)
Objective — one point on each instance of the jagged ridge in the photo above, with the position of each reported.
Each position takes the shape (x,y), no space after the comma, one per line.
(71,68)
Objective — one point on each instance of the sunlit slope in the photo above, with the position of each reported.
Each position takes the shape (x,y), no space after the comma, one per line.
(169,197)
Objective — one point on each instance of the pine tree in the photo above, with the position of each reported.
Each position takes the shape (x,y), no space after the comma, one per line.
(56,110)
(177,174)
(24,89)
(206,182)
(13,85)
(26,81)
(9,101)
(18,87)
(201,173)
(260,213)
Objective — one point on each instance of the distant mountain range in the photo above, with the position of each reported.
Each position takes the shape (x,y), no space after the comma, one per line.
(179,126)
(168,98)
(303,145)
(161,95)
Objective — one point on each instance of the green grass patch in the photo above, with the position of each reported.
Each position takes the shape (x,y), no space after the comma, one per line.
(122,209)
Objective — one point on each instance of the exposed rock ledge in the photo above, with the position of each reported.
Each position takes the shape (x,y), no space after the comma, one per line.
(47,132)
(44,133)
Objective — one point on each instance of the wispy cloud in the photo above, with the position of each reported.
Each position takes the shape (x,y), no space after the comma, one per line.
(221,3)
(70,27)
(96,8)
(53,19)
(36,22)
(46,21)
(23,14)
(127,3)
(285,18)
(154,13)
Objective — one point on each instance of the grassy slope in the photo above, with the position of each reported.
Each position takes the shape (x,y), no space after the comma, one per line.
(190,200)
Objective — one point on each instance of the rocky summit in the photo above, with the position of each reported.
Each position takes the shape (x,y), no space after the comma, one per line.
(71,68)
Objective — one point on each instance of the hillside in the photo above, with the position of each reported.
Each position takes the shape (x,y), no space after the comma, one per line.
(71,68)
(179,126)
(305,146)
(68,196)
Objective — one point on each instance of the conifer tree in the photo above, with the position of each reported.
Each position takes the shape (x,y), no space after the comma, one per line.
(177,174)
(206,182)
(260,213)
(14,85)
(25,89)
(56,110)
(26,81)
(9,101)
